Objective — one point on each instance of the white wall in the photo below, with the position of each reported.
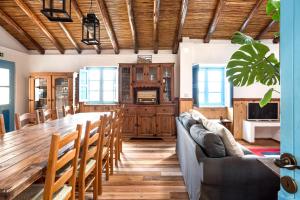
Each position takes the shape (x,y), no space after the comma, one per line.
(8,41)
(217,52)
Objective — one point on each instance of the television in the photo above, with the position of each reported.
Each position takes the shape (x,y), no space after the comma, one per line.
(268,112)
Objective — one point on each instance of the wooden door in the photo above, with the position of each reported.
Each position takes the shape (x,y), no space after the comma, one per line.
(165,125)
(139,73)
(146,125)
(125,86)
(153,73)
(167,83)
(130,123)
(39,92)
(290,96)
(62,87)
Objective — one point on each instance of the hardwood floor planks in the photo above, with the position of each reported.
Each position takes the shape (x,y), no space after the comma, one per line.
(147,170)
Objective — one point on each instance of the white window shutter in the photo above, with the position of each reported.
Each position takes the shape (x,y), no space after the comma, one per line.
(83,85)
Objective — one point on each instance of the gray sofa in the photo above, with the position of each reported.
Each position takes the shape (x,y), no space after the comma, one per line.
(227,178)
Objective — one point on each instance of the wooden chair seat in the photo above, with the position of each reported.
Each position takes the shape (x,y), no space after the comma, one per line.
(36,192)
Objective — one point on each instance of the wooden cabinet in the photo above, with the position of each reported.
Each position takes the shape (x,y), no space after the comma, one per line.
(148,120)
(52,90)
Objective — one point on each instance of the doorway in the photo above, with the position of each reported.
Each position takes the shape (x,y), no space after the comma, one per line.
(7,93)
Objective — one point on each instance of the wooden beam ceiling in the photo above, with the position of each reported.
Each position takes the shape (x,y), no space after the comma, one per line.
(108,25)
(214,22)
(265,29)
(70,37)
(155,25)
(21,31)
(180,23)
(132,24)
(80,17)
(40,24)
(251,15)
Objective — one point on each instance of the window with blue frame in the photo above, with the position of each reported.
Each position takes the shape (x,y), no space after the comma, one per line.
(209,86)
(98,85)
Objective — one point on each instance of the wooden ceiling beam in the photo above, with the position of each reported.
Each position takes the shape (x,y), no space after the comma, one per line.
(155,25)
(108,25)
(40,24)
(70,37)
(80,17)
(132,25)
(251,15)
(214,22)
(265,29)
(21,31)
(180,23)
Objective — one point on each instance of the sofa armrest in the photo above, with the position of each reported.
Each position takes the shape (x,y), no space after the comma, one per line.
(237,171)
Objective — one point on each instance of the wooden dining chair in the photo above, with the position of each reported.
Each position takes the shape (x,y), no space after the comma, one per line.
(26,119)
(48,115)
(104,147)
(2,125)
(67,110)
(88,171)
(76,109)
(63,187)
(114,145)
(120,139)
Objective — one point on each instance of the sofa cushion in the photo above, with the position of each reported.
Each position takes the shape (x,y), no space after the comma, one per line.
(211,143)
(232,147)
(184,114)
(188,122)
(196,115)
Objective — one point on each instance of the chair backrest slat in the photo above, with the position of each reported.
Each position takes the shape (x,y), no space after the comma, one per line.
(55,163)
(67,110)
(26,119)
(48,115)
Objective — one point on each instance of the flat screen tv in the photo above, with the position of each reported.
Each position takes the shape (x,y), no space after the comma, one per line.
(268,112)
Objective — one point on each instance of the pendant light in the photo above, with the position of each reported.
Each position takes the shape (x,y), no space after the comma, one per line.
(90,28)
(57,10)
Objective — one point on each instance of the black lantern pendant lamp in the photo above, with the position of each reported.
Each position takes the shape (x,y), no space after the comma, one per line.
(90,29)
(57,10)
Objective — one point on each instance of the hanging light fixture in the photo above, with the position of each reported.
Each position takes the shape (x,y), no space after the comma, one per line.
(57,10)
(90,28)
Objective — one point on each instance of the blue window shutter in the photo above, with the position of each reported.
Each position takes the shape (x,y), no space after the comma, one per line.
(83,85)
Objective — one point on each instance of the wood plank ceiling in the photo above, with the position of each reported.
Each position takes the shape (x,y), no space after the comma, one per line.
(137,24)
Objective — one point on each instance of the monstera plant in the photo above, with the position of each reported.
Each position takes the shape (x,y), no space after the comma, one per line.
(253,61)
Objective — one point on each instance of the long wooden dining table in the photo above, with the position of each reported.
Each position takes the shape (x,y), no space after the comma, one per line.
(24,153)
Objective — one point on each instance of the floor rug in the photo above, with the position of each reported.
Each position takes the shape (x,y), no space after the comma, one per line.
(265,151)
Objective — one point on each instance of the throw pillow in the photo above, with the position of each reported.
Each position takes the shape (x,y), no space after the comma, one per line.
(232,147)
(196,115)
(188,122)
(211,143)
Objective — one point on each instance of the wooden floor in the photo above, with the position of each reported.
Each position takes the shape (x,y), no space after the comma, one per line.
(147,170)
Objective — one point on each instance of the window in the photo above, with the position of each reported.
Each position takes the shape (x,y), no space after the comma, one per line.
(98,85)
(209,86)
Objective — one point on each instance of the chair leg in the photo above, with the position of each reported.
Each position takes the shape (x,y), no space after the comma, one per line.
(111,159)
(95,185)
(120,150)
(81,190)
(107,169)
(116,154)
(100,168)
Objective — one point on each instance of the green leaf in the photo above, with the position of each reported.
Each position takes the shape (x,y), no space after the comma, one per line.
(241,38)
(267,98)
(273,9)
(253,63)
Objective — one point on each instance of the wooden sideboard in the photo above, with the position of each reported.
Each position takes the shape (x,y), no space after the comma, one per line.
(155,121)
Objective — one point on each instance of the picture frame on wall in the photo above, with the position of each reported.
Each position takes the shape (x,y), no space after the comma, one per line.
(144,59)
